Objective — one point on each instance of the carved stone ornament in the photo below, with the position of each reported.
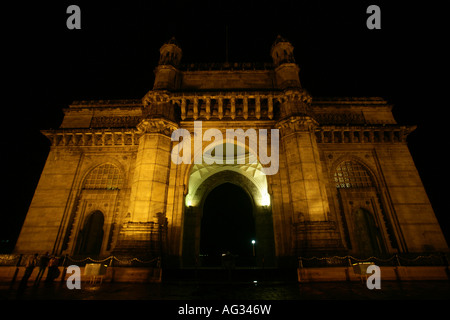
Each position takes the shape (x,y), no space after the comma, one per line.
(155,97)
(295,124)
(297,95)
(156,126)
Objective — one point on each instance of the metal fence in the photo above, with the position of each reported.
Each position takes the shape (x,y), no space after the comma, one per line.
(435,259)
(19,260)
(404,259)
(116,261)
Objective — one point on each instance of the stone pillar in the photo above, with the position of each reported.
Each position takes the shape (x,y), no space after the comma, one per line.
(307,185)
(208,108)
(220,102)
(183,109)
(195,108)
(151,170)
(258,107)
(245,102)
(141,233)
(270,107)
(233,107)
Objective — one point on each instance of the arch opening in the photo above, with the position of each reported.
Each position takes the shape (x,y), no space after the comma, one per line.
(227,226)
(367,235)
(90,238)
(249,181)
(367,228)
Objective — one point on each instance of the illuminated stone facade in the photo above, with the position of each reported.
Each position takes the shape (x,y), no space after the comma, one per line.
(346,182)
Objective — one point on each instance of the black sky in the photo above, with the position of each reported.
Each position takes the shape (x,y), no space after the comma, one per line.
(46,67)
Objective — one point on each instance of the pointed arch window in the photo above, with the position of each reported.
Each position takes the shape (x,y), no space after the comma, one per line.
(104,177)
(350,174)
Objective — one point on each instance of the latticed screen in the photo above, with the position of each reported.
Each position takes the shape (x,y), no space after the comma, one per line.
(106,176)
(350,174)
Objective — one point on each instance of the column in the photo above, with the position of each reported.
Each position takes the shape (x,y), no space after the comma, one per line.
(270,107)
(195,109)
(183,109)
(208,108)
(233,107)
(306,181)
(245,102)
(149,186)
(258,107)
(220,107)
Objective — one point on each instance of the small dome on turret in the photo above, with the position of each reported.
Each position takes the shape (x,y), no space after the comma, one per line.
(173,41)
(170,53)
(278,40)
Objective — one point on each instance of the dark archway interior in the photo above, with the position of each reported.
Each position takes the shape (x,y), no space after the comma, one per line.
(91,236)
(367,234)
(227,224)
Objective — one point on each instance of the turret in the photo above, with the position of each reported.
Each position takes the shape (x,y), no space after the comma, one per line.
(167,73)
(286,69)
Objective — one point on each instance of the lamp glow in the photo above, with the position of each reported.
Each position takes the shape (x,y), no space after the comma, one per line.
(265,199)
(188,201)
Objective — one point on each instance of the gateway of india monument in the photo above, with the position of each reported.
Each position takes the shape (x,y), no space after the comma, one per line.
(343,180)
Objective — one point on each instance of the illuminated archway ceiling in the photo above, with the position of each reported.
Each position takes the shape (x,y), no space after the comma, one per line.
(252,171)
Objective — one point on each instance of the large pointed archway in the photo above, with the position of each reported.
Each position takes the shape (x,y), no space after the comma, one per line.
(251,182)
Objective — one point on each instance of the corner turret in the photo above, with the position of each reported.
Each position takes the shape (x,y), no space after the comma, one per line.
(286,69)
(167,73)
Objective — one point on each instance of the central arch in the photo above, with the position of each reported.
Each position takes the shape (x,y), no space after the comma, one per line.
(246,173)
(227,225)
(261,215)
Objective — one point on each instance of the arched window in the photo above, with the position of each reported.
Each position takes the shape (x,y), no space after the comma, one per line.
(106,177)
(350,174)
(367,229)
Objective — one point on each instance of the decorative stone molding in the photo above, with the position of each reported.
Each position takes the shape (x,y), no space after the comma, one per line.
(297,95)
(162,126)
(228,105)
(363,134)
(339,118)
(91,137)
(115,122)
(296,124)
(155,96)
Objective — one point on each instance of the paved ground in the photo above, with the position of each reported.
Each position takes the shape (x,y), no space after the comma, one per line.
(182,290)
(177,299)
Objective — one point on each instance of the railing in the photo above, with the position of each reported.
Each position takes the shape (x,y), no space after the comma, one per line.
(432,259)
(12,259)
(19,260)
(435,259)
(227,66)
(116,262)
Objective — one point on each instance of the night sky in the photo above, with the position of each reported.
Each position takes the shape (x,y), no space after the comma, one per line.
(46,67)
